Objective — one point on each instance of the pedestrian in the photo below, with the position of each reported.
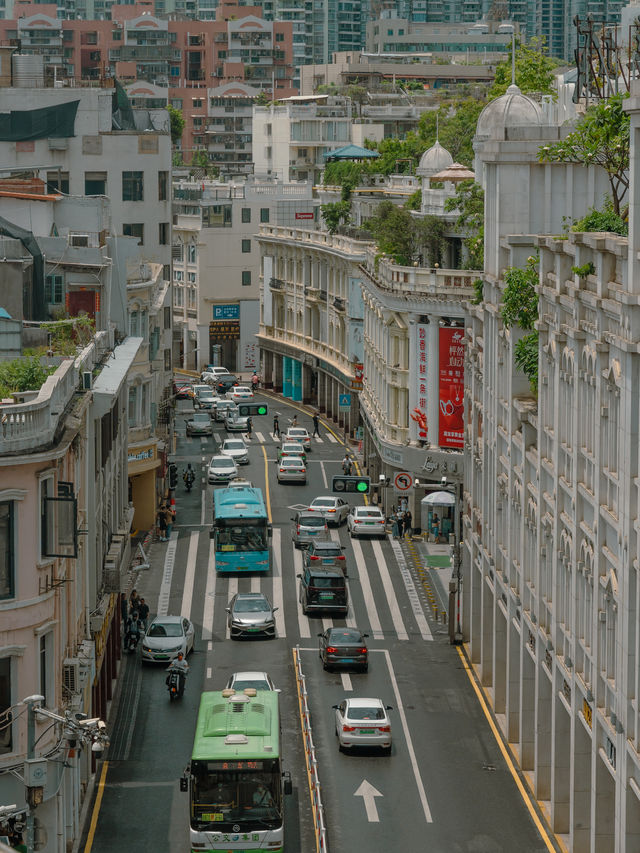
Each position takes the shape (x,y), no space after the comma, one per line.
(396,526)
(171,517)
(346,465)
(276,425)
(134,601)
(162,523)
(143,612)
(316,424)
(249,427)
(407,522)
(294,421)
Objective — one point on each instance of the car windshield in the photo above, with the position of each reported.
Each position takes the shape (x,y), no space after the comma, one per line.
(165,629)
(222,462)
(293,446)
(250,536)
(311,521)
(323,502)
(201,418)
(292,463)
(297,431)
(365,713)
(344,635)
(234,445)
(328,551)
(251,605)
(257,683)
(220,794)
(370,513)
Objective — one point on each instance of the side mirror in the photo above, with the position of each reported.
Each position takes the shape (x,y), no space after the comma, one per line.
(335,707)
(227,610)
(184,784)
(299,576)
(365,635)
(212,534)
(287,786)
(270,530)
(273,609)
(388,708)
(320,634)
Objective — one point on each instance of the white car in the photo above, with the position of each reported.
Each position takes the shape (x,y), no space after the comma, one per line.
(236,449)
(221,469)
(239,392)
(363,722)
(292,469)
(211,374)
(299,434)
(366,521)
(258,680)
(334,510)
(166,637)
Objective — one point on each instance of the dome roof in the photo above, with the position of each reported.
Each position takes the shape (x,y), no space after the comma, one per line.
(513,109)
(434,159)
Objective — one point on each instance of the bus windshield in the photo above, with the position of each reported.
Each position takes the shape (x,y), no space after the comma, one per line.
(236,796)
(241,535)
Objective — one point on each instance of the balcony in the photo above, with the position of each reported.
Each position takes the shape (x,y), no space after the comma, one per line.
(277,284)
(417,282)
(339,304)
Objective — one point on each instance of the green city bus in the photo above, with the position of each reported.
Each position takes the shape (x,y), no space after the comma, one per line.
(235,779)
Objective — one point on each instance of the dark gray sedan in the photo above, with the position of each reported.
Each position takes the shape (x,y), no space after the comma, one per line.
(199,424)
(344,647)
(251,615)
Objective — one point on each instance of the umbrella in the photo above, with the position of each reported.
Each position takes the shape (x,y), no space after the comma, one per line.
(439,499)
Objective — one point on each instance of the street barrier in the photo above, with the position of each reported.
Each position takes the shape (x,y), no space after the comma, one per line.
(310,757)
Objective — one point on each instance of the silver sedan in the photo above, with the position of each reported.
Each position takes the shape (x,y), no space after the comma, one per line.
(291,469)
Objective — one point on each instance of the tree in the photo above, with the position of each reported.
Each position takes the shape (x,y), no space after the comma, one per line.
(430,234)
(469,202)
(261,99)
(534,71)
(394,231)
(454,125)
(176,123)
(520,298)
(335,214)
(600,138)
(22,374)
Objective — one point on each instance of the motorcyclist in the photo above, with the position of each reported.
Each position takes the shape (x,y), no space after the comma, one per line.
(180,666)
(133,630)
(346,464)
(189,476)
(255,380)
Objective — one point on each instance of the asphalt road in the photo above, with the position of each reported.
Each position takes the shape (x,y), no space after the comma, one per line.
(445,788)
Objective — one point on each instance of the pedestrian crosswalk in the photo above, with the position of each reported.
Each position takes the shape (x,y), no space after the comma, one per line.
(382,595)
(266,438)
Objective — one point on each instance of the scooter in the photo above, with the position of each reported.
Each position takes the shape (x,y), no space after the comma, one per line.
(132,636)
(188,481)
(173,684)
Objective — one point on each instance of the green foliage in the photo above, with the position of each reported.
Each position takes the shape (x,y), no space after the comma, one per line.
(584,270)
(67,336)
(200,160)
(176,123)
(600,138)
(478,292)
(469,202)
(394,231)
(176,159)
(520,300)
(343,172)
(534,71)
(526,358)
(335,214)
(430,235)
(261,99)
(22,374)
(414,202)
(454,125)
(602,220)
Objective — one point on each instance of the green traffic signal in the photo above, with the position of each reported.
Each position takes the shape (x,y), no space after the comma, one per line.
(351,484)
(361,486)
(262,410)
(252,409)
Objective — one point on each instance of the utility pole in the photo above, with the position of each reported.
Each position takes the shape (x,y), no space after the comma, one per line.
(31,742)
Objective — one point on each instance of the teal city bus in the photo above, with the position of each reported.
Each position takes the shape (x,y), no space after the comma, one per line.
(235,778)
(241,530)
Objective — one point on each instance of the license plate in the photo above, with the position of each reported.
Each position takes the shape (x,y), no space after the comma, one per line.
(253,629)
(371,522)
(161,657)
(348,660)
(312,532)
(367,731)
(327,561)
(326,595)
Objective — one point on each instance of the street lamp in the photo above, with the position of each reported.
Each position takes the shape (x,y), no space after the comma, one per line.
(446,497)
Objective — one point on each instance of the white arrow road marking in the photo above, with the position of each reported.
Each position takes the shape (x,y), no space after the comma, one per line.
(368,794)
(209,596)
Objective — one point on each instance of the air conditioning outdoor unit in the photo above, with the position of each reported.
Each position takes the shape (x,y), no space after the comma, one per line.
(79,240)
(71,674)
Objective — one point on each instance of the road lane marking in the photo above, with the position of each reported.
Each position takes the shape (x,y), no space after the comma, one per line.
(351,618)
(96,808)
(346,681)
(526,795)
(233,588)
(209,671)
(267,494)
(368,794)
(260,437)
(407,735)
(414,599)
(303,621)
(318,439)
(332,438)
(394,607)
(189,576)
(210,646)
(327,622)
(203,501)
(209,595)
(278,596)
(365,584)
(167,575)
(324,476)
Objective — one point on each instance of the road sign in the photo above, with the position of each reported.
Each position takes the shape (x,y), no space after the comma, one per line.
(352,484)
(252,409)
(344,402)
(402,482)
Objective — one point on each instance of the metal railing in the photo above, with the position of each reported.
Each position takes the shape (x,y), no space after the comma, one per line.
(317,808)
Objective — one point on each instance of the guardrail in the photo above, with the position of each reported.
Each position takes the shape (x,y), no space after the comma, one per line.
(310,757)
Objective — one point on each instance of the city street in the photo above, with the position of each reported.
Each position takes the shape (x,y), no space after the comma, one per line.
(444,788)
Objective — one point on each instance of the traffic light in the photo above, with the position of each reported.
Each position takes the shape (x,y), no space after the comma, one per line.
(354,485)
(246,410)
(173,475)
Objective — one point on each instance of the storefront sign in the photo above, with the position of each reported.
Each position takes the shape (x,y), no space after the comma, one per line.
(419,414)
(442,463)
(224,331)
(304,215)
(226,312)
(141,455)
(451,388)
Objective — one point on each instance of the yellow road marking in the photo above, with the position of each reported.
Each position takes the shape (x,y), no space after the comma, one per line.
(506,754)
(96,809)
(266,482)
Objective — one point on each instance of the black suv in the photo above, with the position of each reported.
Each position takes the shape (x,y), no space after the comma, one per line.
(323,590)
(225,382)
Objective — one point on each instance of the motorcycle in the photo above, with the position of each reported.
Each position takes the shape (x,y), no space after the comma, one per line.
(132,637)
(189,480)
(175,683)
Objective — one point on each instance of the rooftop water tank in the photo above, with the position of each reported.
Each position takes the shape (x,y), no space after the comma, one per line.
(28,70)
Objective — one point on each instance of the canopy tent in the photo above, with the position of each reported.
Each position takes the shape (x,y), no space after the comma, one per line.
(350,152)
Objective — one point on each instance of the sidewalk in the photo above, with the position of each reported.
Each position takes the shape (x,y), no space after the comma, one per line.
(434,559)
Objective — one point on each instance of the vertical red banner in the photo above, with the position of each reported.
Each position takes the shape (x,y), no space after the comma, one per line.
(451,388)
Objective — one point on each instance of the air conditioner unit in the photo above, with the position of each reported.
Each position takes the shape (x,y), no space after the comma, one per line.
(79,240)
(87,380)
(71,674)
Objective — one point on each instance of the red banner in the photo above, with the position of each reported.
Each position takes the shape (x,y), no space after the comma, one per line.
(451,388)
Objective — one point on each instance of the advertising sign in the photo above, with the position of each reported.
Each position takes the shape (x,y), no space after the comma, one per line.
(419,414)
(301,215)
(451,388)
(224,331)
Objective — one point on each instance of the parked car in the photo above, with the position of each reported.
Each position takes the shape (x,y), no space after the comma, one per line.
(199,424)
(343,647)
(326,554)
(166,636)
(306,527)
(323,590)
(239,392)
(182,389)
(236,449)
(299,434)
(258,680)
(204,400)
(334,510)
(221,469)
(223,407)
(210,374)
(366,521)
(199,387)
(226,381)
(233,422)
(251,614)
(291,448)
(363,722)
(292,469)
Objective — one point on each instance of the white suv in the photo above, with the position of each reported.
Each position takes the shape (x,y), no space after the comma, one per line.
(366,521)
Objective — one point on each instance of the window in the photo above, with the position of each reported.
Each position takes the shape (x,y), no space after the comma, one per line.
(163,233)
(196,102)
(167,317)
(132,186)
(192,296)
(191,277)
(193,252)
(279,36)
(178,275)
(246,278)
(95,183)
(6,732)
(133,404)
(144,404)
(217,216)
(163,183)
(197,121)
(176,103)
(246,247)
(134,229)
(53,289)
(178,297)
(7,553)
(264,214)
(134,324)
(167,359)
(47,518)
(246,214)
(58,182)
(45,656)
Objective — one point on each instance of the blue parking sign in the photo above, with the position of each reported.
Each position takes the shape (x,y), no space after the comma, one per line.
(344,402)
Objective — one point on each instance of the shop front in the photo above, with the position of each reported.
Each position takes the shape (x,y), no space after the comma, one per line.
(144,465)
